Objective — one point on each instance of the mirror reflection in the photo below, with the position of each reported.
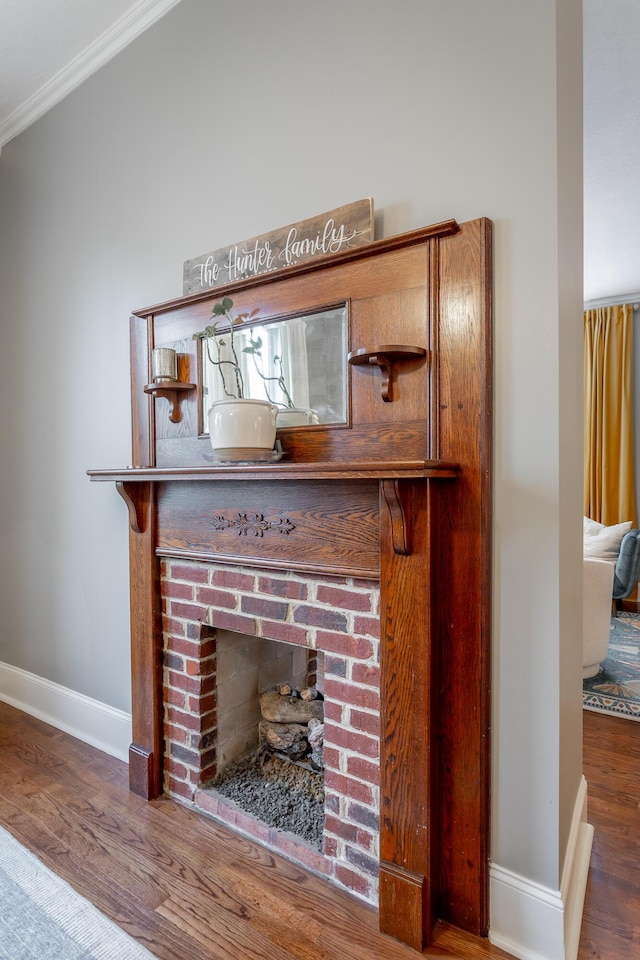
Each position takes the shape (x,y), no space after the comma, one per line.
(298,363)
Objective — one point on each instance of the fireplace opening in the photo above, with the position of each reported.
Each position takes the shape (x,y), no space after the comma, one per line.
(271,733)
(231,635)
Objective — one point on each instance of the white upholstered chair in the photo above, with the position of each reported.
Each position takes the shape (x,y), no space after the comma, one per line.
(596,613)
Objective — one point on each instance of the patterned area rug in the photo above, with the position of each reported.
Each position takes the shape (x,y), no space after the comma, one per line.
(616,688)
(43,918)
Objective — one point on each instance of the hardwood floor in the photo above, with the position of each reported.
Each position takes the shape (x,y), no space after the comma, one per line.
(186,887)
(611,922)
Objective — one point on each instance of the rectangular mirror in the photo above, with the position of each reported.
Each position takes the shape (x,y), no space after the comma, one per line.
(299,363)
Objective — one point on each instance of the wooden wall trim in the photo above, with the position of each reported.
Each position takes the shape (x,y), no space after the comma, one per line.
(465,433)
(147,749)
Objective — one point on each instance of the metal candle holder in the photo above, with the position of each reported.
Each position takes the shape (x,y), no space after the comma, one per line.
(164,363)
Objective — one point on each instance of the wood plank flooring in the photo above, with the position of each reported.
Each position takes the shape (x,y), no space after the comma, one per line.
(611,921)
(186,887)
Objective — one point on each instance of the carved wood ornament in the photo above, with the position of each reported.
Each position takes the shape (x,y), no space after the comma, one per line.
(401,492)
(253,523)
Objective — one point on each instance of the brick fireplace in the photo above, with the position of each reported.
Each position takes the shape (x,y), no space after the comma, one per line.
(337,616)
(368,540)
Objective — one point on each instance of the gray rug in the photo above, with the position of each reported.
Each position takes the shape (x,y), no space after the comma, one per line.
(615,688)
(43,918)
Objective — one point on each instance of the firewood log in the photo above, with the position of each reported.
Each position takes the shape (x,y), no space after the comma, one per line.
(287,738)
(315,733)
(289,709)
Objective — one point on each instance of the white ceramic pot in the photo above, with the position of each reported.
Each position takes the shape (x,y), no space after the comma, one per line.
(296,417)
(247,424)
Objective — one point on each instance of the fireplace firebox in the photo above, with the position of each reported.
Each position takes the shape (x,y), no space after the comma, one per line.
(368,539)
(213,679)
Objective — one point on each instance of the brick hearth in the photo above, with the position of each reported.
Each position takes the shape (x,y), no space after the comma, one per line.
(336,615)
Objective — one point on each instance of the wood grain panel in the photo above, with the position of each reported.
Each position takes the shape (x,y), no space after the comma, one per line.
(146,647)
(334,525)
(408,721)
(402,896)
(465,433)
(393,317)
(380,442)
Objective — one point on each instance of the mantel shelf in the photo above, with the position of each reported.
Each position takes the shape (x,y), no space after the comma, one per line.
(397,470)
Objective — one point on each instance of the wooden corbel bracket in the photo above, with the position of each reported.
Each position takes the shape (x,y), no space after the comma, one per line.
(397,500)
(384,357)
(136,497)
(173,392)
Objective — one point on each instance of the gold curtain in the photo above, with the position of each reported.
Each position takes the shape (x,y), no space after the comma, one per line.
(609,475)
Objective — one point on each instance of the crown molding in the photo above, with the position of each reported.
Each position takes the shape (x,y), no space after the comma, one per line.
(138,18)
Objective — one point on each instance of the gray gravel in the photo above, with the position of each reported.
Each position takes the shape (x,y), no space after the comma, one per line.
(280,794)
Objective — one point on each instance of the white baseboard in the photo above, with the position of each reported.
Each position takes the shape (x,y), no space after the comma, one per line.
(89,720)
(575,873)
(534,922)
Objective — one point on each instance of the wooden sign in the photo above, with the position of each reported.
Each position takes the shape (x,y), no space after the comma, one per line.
(341,229)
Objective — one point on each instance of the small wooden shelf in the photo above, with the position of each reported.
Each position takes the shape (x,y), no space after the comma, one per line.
(171,390)
(384,357)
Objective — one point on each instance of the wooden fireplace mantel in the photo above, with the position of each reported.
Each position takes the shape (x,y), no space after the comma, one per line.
(128,483)
(400,493)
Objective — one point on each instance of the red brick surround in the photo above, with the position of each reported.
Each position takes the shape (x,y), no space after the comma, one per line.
(336,615)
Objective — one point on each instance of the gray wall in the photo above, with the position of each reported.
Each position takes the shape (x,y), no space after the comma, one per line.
(224,121)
